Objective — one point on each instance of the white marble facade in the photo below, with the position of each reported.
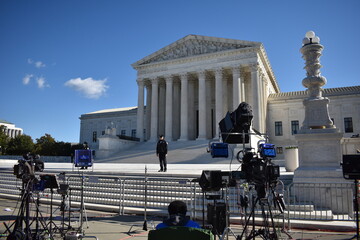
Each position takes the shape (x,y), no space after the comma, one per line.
(191,84)
(185,89)
(10,129)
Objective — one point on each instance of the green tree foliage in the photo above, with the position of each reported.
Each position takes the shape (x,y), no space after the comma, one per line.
(63,149)
(20,145)
(45,145)
(4,140)
(48,146)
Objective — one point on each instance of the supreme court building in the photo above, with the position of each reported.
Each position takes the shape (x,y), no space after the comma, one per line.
(186,88)
(192,83)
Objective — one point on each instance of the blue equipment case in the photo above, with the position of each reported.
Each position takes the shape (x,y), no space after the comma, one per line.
(219,150)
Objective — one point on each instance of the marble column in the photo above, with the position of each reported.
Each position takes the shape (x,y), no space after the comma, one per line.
(202,106)
(184,107)
(176,110)
(209,109)
(261,102)
(148,111)
(169,108)
(242,86)
(140,111)
(254,68)
(154,109)
(161,108)
(236,87)
(218,99)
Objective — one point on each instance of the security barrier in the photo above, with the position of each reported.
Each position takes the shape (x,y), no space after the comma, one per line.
(131,194)
(320,201)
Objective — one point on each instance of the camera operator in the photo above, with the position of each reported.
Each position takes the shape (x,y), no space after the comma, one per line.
(177,216)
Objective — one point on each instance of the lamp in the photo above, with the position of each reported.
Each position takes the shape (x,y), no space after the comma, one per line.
(311,38)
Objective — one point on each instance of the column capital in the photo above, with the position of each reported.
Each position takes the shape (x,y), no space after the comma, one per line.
(140,81)
(218,71)
(154,80)
(236,69)
(201,73)
(254,67)
(168,78)
(183,76)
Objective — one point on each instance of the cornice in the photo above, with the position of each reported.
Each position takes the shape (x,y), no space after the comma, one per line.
(327,92)
(162,66)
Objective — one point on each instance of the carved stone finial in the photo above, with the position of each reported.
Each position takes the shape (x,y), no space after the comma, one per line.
(316,107)
(311,51)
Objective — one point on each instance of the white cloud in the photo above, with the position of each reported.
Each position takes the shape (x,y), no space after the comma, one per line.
(37,64)
(41,82)
(27,78)
(89,87)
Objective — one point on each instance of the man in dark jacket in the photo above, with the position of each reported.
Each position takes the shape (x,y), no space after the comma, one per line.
(177,216)
(161,152)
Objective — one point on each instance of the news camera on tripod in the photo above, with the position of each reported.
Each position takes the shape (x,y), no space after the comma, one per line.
(257,171)
(25,170)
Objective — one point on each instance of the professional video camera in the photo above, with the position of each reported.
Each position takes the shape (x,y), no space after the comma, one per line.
(257,168)
(27,166)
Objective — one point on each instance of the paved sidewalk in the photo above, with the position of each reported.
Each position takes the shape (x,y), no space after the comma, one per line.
(108,226)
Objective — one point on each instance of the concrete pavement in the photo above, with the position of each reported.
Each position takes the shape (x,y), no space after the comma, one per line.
(109,226)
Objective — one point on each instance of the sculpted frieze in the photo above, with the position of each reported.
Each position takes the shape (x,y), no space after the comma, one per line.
(193,47)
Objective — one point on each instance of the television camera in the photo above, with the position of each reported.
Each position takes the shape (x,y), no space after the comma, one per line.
(27,166)
(256,170)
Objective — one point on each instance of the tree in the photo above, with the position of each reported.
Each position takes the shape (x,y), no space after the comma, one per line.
(63,149)
(45,145)
(4,140)
(20,145)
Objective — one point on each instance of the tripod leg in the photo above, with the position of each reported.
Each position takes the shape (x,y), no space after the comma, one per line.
(251,215)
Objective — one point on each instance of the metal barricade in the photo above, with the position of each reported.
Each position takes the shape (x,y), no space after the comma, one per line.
(320,201)
(100,190)
(126,194)
(155,193)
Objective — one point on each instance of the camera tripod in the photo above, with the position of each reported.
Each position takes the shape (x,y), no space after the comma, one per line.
(268,230)
(21,232)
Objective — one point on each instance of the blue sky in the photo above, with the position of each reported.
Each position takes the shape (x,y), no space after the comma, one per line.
(61,59)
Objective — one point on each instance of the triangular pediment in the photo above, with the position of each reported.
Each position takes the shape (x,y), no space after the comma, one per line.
(193,45)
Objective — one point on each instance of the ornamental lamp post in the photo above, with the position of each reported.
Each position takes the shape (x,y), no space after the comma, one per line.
(311,51)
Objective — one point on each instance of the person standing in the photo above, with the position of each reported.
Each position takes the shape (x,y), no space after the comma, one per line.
(161,152)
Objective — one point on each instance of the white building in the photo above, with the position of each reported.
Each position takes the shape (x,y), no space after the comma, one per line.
(10,129)
(286,113)
(93,125)
(190,85)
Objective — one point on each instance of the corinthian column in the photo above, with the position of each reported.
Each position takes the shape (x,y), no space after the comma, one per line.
(184,107)
(140,111)
(169,108)
(236,87)
(254,68)
(218,99)
(202,106)
(154,109)
(148,111)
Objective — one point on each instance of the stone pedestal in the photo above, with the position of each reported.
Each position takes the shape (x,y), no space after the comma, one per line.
(320,155)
